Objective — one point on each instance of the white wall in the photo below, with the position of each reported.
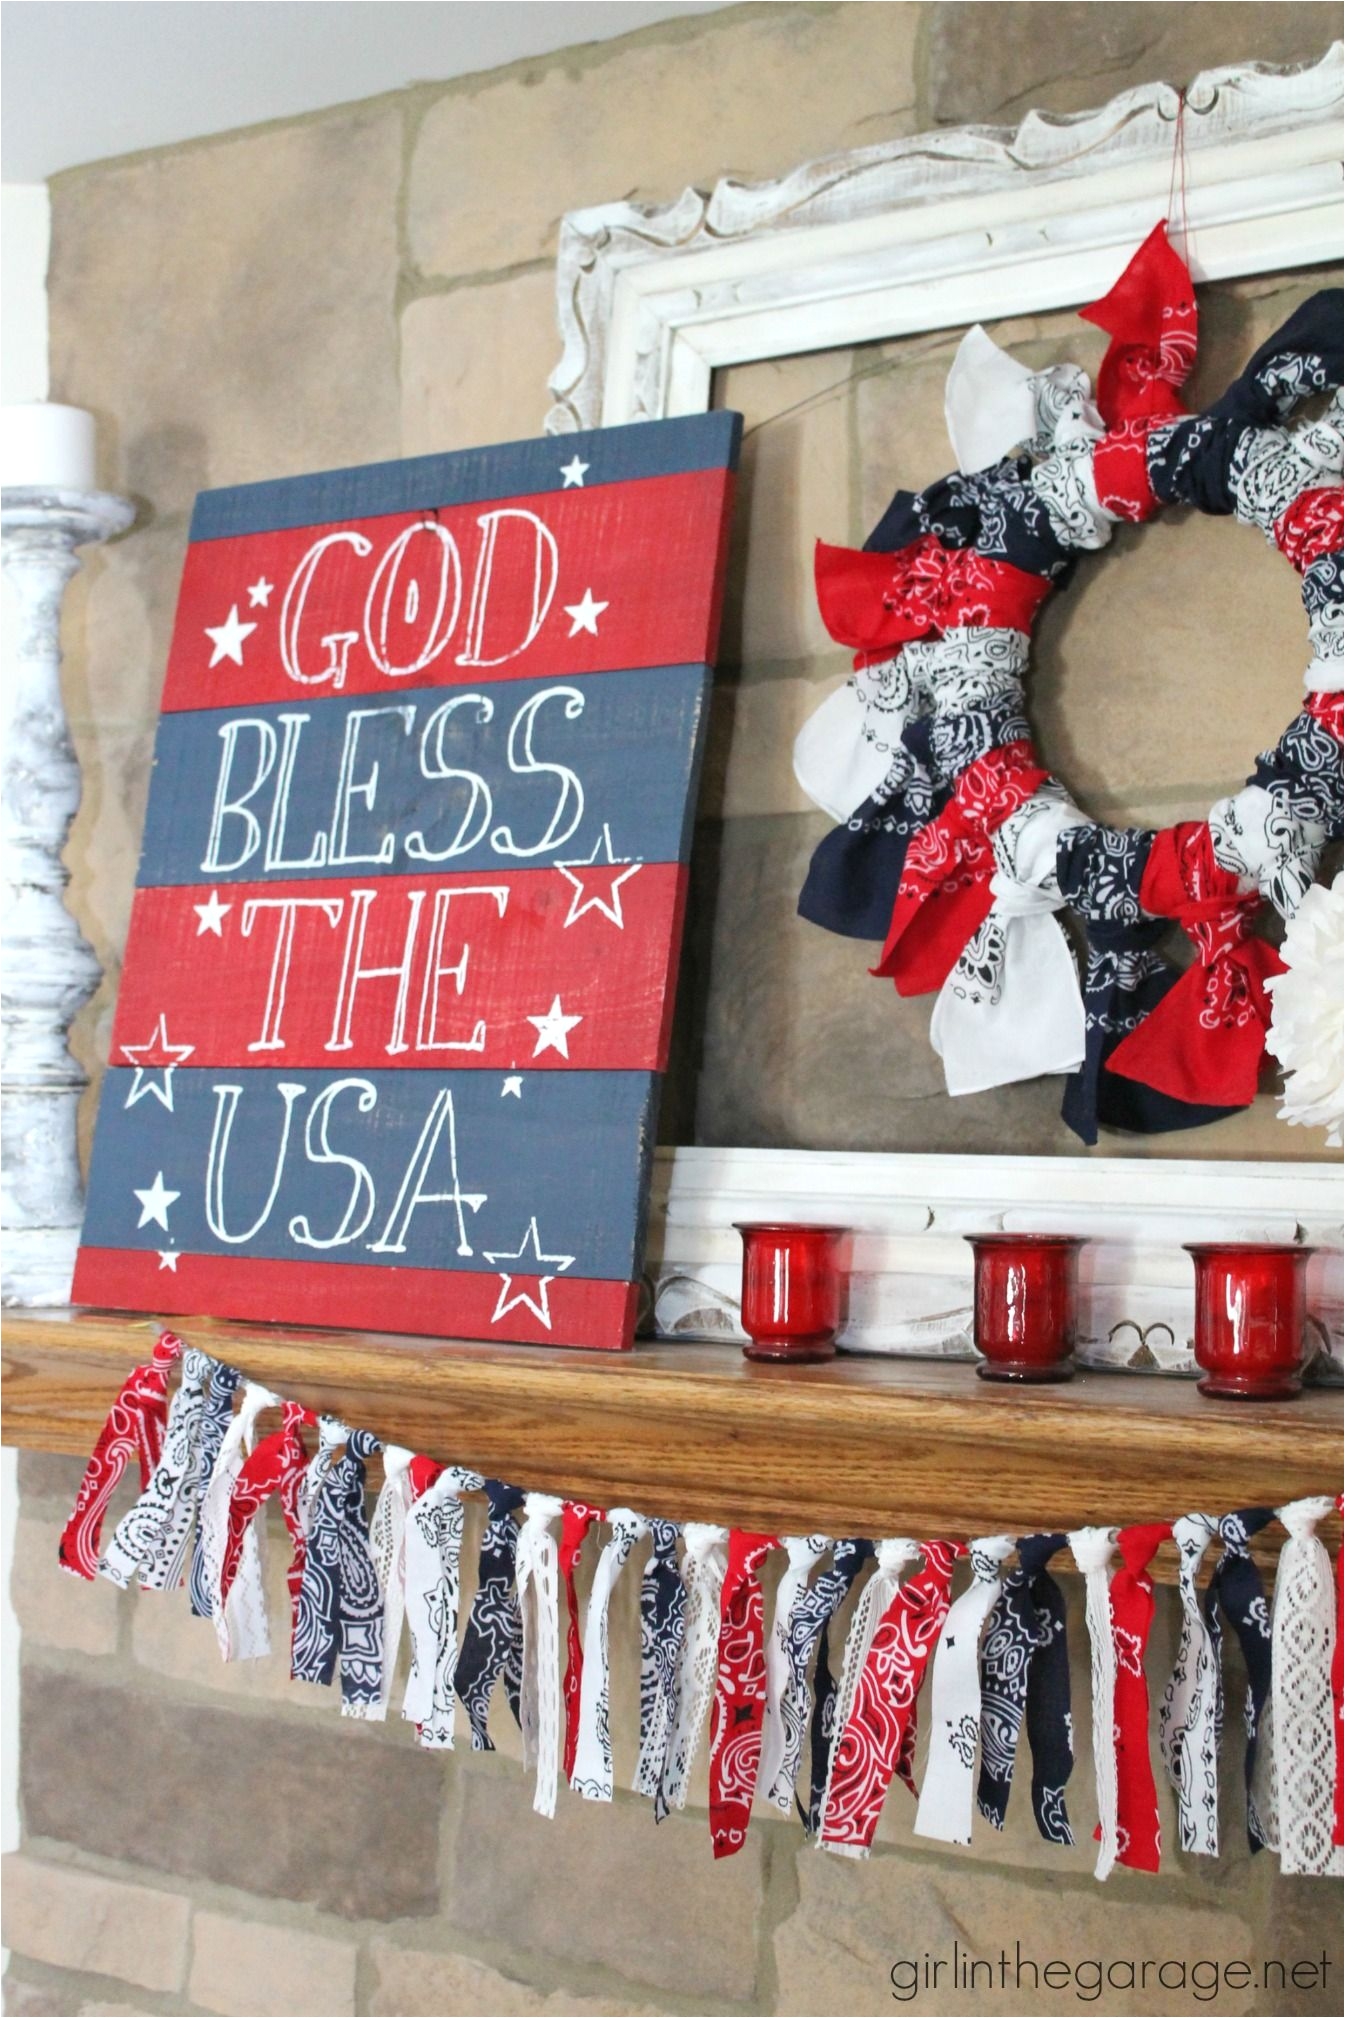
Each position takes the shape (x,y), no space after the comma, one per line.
(25,230)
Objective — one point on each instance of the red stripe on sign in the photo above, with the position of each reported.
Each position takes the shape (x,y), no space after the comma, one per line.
(525,970)
(526,1309)
(580,581)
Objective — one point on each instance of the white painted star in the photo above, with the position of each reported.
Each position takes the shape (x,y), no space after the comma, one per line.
(168,1257)
(512,1088)
(606,897)
(530,1247)
(553,1029)
(259,594)
(585,614)
(227,638)
(212,915)
(158,1055)
(155,1202)
(574,473)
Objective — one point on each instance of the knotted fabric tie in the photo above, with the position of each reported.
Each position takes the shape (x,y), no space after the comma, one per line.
(434,1527)
(387,1545)
(663,1603)
(826,1596)
(237,1608)
(539,1612)
(278,1465)
(1303,1632)
(947,1799)
(1150,316)
(892,1557)
(1206,1040)
(1138,1830)
(944,894)
(215,1418)
(1312,526)
(740,1692)
(1092,1552)
(1236,1587)
(873,601)
(879,1736)
(704,1563)
(134,1428)
(151,1541)
(340,1604)
(592,1775)
(792,1637)
(1188,1719)
(1025,1674)
(575,1524)
(1011,1008)
(492,1644)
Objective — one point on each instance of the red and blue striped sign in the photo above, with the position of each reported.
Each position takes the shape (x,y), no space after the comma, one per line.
(398,983)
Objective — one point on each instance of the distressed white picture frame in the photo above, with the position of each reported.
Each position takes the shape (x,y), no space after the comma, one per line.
(939,230)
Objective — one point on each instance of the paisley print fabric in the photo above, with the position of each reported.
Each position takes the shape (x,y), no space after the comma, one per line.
(740,1693)
(1191,1710)
(215,1415)
(1235,1590)
(134,1430)
(340,1604)
(879,1735)
(434,1529)
(492,1643)
(829,1591)
(948,1796)
(1025,1677)
(575,1524)
(277,1466)
(663,1601)
(1138,1831)
(150,1544)
(792,1638)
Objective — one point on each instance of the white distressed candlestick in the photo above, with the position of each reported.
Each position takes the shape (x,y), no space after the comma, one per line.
(49,970)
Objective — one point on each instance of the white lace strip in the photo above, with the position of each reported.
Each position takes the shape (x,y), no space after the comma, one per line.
(592,1776)
(893,1557)
(240,1620)
(1190,1713)
(948,1796)
(387,1545)
(1303,1637)
(704,1563)
(1092,1552)
(538,1571)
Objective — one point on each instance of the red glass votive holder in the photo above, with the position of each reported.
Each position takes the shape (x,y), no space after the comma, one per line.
(1251,1314)
(1026,1300)
(793,1290)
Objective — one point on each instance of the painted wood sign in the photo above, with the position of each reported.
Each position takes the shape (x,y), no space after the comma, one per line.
(399,977)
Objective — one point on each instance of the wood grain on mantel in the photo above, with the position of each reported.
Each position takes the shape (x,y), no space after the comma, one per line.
(854,1446)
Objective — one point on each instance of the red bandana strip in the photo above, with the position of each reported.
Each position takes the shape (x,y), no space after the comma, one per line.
(874,601)
(1206,1040)
(575,1524)
(1150,316)
(879,1735)
(135,1427)
(1328,709)
(1132,1610)
(944,894)
(1313,525)
(740,1692)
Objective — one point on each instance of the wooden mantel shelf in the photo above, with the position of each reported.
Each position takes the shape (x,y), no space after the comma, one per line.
(855,1446)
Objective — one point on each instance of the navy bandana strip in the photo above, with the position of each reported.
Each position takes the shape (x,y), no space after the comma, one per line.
(827,1594)
(1236,1588)
(340,1610)
(492,1645)
(1025,1671)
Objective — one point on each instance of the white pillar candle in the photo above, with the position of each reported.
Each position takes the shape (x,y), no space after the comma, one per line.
(47,447)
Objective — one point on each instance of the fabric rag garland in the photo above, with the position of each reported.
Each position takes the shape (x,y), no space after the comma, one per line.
(958,850)
(995,1653)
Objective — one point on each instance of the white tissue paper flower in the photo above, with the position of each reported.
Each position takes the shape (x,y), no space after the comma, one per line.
(1307,1029)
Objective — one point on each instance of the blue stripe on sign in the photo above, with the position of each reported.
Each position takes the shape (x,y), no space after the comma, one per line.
(515,774)
(471,476)
(570,1152)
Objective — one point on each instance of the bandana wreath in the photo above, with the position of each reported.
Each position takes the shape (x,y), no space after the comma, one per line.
(958,849)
